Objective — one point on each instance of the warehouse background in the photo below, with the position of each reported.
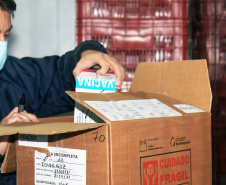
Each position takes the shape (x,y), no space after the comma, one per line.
(135,31)
(42,28)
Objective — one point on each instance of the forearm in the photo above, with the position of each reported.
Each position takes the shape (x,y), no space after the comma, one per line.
(42,80)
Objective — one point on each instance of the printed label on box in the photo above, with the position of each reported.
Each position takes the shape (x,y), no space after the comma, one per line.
(40,141)
(166,169)
(188,108)
(93,82)
(63,166)
(133,109)
(148,144)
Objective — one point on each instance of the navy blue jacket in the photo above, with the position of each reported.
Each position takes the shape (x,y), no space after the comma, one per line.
(44,82)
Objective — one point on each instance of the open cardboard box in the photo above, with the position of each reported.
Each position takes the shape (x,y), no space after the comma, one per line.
(159,150)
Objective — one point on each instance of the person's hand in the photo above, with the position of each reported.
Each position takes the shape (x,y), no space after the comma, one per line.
(12,117)
(90,58)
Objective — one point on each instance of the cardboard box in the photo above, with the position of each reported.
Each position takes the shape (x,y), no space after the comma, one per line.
(173,147)
(89,81)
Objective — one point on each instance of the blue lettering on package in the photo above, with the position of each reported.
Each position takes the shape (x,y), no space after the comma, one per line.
(85,83)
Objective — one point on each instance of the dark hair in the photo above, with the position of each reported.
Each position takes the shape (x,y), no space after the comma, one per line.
(8,5)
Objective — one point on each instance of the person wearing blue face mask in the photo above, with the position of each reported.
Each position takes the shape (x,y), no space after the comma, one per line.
(3,53)
(42,80)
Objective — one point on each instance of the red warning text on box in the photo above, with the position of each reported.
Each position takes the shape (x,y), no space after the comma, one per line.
(166,169)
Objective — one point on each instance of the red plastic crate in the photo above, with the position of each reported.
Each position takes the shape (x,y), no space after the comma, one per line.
(205,9)
(222,156)
(203,19)
(134,34)
(141,9)
(204,47)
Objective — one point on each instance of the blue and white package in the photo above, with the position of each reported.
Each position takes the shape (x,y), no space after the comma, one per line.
(89,81)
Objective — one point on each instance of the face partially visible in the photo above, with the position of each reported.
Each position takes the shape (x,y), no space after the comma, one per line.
(5,25)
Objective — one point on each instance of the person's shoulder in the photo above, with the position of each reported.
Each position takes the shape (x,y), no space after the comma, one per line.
(12,58)
(90,42)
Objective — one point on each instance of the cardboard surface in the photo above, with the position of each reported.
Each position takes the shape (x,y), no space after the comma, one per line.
(94,141)
(123,152)
(134,149)
(158,150)
(187,81)
(48,126)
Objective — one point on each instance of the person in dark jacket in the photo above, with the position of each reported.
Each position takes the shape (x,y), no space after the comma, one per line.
(43,81)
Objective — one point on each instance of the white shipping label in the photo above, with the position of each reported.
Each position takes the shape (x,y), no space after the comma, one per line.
(133,109)
(188,108)
(63,166)
(40,141)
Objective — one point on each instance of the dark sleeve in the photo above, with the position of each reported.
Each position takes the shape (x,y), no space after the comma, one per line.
(1,159)
(42,80)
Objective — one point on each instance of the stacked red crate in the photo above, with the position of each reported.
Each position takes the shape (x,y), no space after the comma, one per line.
(210,43)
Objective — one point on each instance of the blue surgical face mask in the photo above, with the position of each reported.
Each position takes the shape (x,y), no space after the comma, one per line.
(3,53)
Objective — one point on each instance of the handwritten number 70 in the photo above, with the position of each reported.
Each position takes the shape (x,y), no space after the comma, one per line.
(98,137)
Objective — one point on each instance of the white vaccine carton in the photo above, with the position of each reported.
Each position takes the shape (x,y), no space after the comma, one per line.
(89,81)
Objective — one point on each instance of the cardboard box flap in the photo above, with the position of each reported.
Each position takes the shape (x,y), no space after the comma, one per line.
(187,81)
(90,100)
(46,128)
(80,97)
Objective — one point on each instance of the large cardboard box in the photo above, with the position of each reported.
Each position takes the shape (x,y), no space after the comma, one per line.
(170,144)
